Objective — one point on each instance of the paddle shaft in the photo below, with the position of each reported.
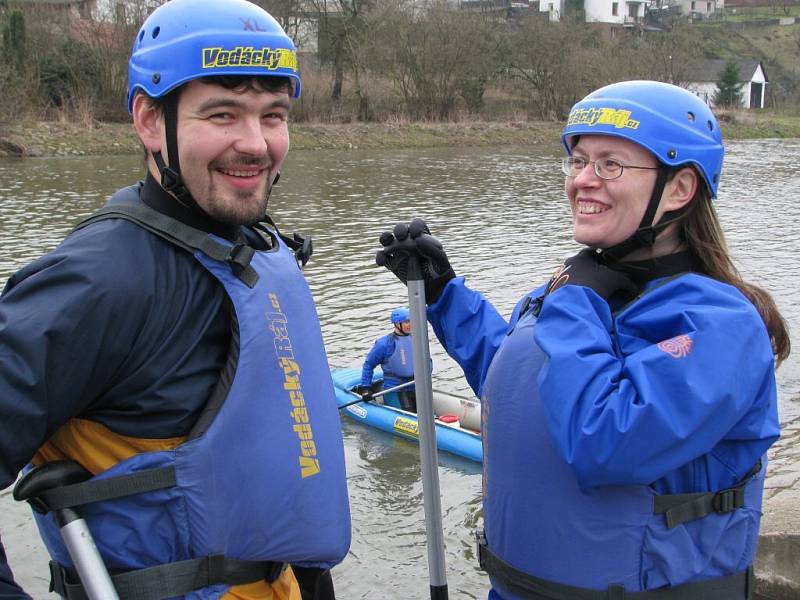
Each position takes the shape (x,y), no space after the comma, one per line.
(427,431)
(85,556)
(378,394)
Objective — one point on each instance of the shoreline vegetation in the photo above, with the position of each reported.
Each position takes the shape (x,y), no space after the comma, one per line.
(58,138)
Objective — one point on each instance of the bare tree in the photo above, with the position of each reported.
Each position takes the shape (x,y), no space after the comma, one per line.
(667,55)
(440,57)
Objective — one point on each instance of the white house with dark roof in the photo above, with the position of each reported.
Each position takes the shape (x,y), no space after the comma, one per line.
(702,78)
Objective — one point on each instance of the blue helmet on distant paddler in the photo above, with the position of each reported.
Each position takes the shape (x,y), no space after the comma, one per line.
(184,40)
(669,121)
(400,315)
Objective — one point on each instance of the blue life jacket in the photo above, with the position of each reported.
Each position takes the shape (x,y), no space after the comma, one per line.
(261,476)
(543,528)
(399,366)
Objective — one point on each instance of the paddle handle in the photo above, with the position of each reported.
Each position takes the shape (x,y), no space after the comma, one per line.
(427,431)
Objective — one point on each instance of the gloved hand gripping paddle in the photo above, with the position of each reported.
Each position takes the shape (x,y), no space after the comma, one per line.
(415,239)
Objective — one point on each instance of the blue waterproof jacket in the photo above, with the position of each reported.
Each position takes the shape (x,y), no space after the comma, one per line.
(590,419)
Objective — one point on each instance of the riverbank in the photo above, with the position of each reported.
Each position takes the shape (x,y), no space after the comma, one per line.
(56,138)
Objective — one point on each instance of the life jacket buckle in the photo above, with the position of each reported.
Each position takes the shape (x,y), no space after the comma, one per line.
(305,249)
(481,543)
(239,258)
(726,501)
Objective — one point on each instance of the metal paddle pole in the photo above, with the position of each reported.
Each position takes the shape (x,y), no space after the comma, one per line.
(78,539)
(427,430)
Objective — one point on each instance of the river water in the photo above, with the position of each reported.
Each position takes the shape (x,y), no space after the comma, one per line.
(504,221)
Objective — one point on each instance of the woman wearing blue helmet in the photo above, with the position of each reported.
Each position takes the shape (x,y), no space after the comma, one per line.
(629,402)
(182,365)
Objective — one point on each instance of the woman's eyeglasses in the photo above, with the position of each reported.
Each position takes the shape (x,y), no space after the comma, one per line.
(604,168)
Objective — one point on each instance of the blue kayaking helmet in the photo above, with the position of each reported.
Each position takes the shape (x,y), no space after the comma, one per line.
(669,121)
(184,40)
(400,315)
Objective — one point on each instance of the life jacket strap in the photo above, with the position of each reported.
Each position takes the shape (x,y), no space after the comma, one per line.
(731,587)
(680,508)
(171,579)
(180,234)
(97,490)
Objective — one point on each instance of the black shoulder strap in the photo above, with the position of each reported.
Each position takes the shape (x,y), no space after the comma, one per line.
(237,256)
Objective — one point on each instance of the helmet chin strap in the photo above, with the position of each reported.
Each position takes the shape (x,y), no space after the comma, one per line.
(171,179)
(645,235)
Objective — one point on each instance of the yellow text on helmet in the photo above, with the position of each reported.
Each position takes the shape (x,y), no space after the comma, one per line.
(248,56)
(617,118)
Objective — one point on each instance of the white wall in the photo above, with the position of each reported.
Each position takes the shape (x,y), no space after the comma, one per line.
(706,90)
(602,11)
(703,7)
(553,7)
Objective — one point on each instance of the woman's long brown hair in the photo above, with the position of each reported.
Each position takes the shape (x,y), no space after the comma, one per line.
(703,234)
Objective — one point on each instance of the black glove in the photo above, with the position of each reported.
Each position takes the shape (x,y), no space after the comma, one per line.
(586,268)
(416,238)
(364,392)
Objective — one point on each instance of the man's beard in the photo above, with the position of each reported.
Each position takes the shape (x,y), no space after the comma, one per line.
(244,209)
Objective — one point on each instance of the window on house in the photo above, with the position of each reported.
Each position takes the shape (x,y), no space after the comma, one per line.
(614,8)
(693,5)
(633,10)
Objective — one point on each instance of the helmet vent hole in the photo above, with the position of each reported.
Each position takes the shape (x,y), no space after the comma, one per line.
(672,153)
(690,116)
(141,35)
(156,31)
(156,78)
(710,125)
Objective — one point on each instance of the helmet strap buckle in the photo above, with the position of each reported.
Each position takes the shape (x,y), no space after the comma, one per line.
(170,180)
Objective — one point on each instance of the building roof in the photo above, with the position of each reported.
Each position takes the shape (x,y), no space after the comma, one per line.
(710,70)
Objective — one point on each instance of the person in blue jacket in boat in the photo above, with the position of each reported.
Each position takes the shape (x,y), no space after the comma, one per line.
(629,402)
(393,353)
(170,345)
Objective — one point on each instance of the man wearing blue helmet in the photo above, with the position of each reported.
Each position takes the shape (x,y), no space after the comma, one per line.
(393,353)
(170,345)
(630,401)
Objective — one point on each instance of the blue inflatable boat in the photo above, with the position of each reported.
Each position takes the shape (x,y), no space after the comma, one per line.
(457,423)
